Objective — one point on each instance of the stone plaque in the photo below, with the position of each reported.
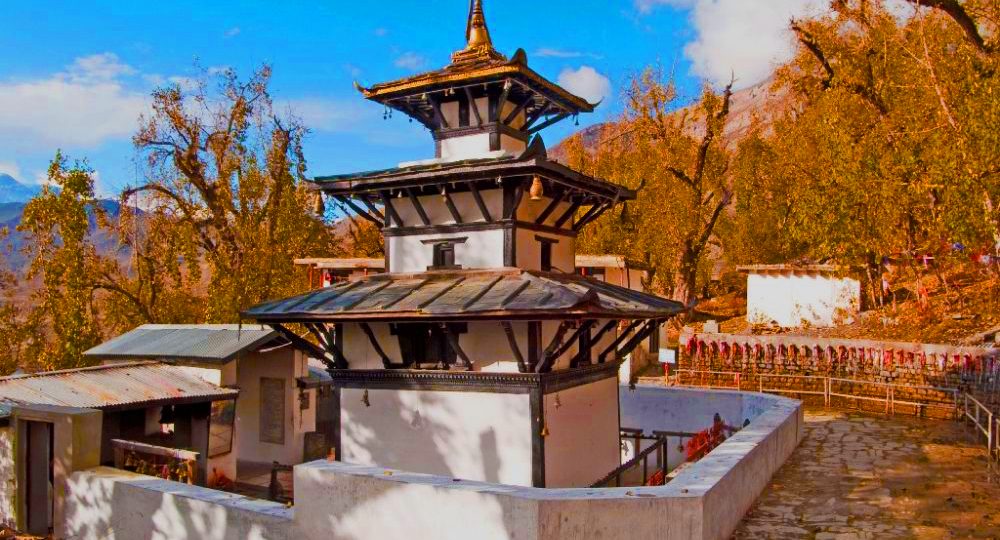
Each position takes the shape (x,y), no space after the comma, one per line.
(272,410)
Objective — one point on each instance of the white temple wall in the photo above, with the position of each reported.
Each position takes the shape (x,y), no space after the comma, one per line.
(529,251)
(481,249)
(794,299)
(529,210)
(469,435)
(582,445)
(284,364)
(467,147)
(512,145)
(8,478)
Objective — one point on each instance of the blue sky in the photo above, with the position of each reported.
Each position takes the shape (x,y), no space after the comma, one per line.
(75,75)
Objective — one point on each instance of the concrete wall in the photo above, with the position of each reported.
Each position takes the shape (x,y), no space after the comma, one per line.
(347,501)
(791,299)
(105,504)
(286,364)
(470,435)
(481,249)
(529,251)
(8,478)
(582,443)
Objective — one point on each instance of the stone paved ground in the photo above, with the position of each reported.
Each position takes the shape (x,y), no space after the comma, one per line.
(861,476)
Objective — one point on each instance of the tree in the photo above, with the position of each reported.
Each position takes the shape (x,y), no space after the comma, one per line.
(19,341)
(57,223)
(227,171)
(679,162)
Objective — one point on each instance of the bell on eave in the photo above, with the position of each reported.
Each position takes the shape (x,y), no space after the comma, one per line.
(537,189)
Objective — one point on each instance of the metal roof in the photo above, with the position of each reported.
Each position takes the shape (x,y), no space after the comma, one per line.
(793,268)
(202,343)
(112,386)
(507,294)
(338,264)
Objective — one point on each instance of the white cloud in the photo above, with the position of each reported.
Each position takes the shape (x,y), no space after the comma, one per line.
(738,37)
(81,107)
(411,61)
(233,32)
(549,52)
(586,82)
(327,115)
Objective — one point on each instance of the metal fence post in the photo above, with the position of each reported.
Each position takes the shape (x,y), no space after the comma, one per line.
(826,391)
(991,434)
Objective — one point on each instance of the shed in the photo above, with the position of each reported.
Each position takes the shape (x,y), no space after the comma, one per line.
(795,295)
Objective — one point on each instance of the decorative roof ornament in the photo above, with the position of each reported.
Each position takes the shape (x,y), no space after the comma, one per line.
(479,44)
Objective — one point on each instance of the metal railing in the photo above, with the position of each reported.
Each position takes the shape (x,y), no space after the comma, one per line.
(636,471)
(984,421)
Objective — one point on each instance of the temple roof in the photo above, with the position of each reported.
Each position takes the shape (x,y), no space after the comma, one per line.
(477,65)
(533,160)
(466,295)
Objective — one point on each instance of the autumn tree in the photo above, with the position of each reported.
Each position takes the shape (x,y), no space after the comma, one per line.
(62,257)
(679,162)
(227,170)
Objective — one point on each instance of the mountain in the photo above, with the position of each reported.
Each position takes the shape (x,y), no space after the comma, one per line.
(12,191)
(761,104)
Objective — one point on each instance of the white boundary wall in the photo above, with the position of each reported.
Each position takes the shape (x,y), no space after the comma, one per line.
(337,500)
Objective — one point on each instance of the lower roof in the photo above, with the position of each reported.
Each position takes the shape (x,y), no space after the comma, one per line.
(193,343)
(113,386)
(466,295)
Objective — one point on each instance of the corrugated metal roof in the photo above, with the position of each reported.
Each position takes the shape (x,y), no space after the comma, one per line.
(467,295)
(208,343)
(112,386)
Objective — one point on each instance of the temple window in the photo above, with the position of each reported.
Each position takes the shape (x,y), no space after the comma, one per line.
(546,252)
(427,343)
(443,257)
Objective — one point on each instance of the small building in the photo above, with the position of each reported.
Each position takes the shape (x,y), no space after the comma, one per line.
(142,412)
(794,295)
(613,269)
(275,418)
(326,272)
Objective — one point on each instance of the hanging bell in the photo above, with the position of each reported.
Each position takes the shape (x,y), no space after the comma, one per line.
(319,206)
(545,430)
(537,189)
(364,399)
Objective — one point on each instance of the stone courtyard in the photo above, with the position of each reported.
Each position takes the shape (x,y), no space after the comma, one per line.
(864,476)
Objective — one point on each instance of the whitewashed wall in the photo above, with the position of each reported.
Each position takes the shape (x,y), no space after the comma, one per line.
(529,251)
(789,299)
(8,477)
(287,364)
(582,445)
(469,435)
(481,249)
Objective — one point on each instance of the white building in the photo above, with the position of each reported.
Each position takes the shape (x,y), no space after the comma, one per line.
(792,296)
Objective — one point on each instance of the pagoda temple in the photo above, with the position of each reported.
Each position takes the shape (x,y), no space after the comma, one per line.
(481,353)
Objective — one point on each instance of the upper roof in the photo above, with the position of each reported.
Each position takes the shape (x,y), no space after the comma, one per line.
(478,63)
(196,343)
(112,386)
(534,160)
(506,294)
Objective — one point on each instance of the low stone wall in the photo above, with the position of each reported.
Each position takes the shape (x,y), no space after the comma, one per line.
(8,478)
(338,500)
(105,503)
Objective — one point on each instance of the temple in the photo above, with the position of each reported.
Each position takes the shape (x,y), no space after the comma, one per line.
(482,353)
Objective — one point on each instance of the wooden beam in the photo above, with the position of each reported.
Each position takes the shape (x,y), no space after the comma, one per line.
(305,345)
(514,348)
(588,214)
(588,220)
(621,337)
(518,194)
(386,361)
(508,84)
(473,106)
(556,201)
(567,214)
(534,345)
(390,210)
(517,110)
(651,326)
(455,346)
(442,122)
(547,123)
(357,209)
(536,115)
(452,209)
(330,340)
(604,330)
(480,202)
(418,207)
(585,327)
(547,357)
(371,206)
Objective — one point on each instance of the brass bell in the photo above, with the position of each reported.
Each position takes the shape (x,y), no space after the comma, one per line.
(537,189)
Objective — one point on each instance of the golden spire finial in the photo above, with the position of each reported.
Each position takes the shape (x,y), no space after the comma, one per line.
(476,33)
